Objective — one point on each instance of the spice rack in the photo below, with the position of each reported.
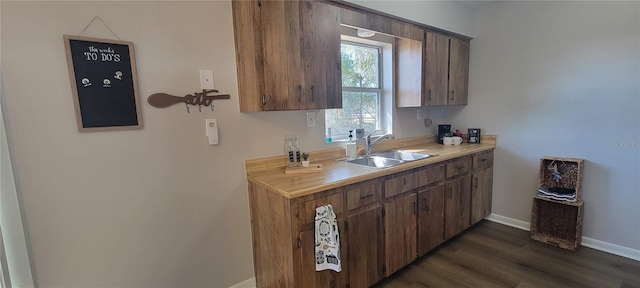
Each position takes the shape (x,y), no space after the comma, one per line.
(553,221)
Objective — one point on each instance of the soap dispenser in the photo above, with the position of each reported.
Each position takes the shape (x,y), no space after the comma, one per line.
(351,146)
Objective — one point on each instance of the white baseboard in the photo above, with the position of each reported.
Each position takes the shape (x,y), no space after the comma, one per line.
(249,283)
(515,223)
(611,248)
(586,241)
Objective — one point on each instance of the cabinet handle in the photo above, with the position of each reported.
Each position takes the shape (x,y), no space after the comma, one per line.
(366,196)
(299,93)
(313,93)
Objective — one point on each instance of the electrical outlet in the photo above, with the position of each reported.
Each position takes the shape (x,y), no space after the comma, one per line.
(419,116)
(206,80)
(311,119)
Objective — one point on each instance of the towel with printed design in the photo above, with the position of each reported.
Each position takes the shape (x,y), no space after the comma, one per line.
(327,239)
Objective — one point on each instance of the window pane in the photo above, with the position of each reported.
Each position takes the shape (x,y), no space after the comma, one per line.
(360,66)
(359,110)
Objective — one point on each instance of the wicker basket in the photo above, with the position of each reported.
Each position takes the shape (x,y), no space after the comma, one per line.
(557,223)
(570,169)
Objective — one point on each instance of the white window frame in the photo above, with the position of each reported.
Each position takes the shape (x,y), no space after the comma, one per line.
(384,90)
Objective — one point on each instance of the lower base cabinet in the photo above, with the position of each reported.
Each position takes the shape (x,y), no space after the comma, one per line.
(319,279)
(457,205)
(481,194)
(430,218)
(384,223)
(400,232)
(364,248)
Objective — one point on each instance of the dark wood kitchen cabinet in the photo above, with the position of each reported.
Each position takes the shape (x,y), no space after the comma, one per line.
(482,186)
(307,269)
(384,223)
(444,73)
(458,71)
(430,218)
(365,248)
(305,243)
(457,205)
(400,232)
(288,55)
(364,231)
(446,70)
(457,196)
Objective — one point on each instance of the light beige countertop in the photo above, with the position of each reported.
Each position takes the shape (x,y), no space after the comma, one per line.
(270,172)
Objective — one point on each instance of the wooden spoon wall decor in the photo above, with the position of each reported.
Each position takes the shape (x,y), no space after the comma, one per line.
(163,100)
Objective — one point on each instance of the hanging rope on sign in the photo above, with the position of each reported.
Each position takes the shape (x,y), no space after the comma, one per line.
(105,25)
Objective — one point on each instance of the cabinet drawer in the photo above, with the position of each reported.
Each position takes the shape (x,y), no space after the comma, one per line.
(362,194)
(400,183)
(307,209)
(483,160)
(458,166)
(430,174)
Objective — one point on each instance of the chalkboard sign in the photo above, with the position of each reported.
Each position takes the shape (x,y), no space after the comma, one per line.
(104,83)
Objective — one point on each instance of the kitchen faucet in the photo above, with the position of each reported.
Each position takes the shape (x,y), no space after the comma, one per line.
(370,143)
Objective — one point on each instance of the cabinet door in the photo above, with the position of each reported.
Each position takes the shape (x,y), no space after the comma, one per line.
(400,232)
(458,71)
(281,54)
(365,257)
(436,68)
(308,276)
(247,29)
(481,194)
(457,205)
(322,87)
(430,218)
(409,79)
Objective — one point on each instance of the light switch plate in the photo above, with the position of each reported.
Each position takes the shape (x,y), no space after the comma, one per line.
(311,119)
(206,80)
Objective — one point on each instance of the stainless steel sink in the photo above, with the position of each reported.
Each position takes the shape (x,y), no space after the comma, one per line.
(373,161)
(404,155)
(387,159)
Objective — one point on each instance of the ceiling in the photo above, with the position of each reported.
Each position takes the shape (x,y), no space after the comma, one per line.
(474,5)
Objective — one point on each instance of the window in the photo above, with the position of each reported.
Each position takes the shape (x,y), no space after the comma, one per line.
(362,91)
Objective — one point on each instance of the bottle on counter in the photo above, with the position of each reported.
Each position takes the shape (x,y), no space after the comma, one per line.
(289,151)
(296,150)
(351,146)
(328,136)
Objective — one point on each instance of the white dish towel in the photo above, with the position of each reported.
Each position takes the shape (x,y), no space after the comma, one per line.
(327,240)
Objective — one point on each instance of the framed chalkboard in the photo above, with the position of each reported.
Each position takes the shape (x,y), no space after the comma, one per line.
(104,83)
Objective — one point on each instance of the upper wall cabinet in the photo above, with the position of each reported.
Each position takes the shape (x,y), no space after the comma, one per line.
(432,67)
(381,24)
(446,70)
(288,55)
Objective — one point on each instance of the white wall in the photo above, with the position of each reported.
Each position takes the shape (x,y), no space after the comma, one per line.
(447,15)
(155,207)
(561,78)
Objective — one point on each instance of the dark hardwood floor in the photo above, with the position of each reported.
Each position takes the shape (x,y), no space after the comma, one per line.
(495,255)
